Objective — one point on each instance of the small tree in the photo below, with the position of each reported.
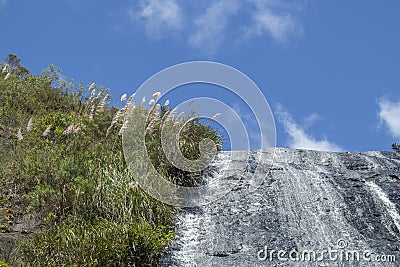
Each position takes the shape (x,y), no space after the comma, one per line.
(396,147)
(15,66)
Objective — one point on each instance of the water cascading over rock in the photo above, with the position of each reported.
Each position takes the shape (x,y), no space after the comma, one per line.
(314,208)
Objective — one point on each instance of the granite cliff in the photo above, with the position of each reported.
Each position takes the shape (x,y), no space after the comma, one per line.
(316,208)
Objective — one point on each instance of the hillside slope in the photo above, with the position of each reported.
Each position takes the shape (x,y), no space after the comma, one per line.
(67,197)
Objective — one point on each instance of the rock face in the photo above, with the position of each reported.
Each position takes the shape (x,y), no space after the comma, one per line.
(313,209)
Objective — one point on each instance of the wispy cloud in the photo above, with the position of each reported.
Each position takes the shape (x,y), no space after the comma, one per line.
(271,17)
(310,120)
(208,25)
(299,138)
(389,114)
(158,16)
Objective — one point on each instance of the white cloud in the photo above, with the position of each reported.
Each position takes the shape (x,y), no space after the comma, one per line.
(158,16)
(298,136)
(310,120)
(210,27)
(389,114)
(207,25)
(279,25)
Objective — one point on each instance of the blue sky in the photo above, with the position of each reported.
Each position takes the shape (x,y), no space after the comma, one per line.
(330,70)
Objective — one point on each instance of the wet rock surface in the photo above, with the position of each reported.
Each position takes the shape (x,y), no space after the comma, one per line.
(318,208)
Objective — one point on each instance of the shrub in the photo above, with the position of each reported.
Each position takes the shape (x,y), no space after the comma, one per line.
(63,169)
(102,243)
(396,147)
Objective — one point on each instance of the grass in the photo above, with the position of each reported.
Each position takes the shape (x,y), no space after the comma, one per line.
(65,180)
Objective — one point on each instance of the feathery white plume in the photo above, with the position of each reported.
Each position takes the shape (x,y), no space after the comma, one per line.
(131,98)
(216,116)
(92,86)
(123,128)
(7,76)
(30,125)
(168,116)
(19,135)
(6,69)
(117,117)
(102,104)
(151,102)
(166,103)
(92,111)
(123,98)
(143,100)
(173,112)
(73,128)
(157,95)
(47,131)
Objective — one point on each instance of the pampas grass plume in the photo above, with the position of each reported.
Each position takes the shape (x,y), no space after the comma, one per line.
(131,98)
(216,116)
(19,135)
(157,95)
(92,86)
(47,131)
(30,125)
(6,68)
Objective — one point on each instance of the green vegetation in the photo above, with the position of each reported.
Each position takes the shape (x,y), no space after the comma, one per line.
(64,180)
(396,147)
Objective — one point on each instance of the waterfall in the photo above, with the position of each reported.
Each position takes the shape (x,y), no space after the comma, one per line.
(312,209)
(390,206)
